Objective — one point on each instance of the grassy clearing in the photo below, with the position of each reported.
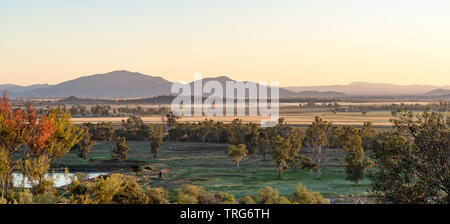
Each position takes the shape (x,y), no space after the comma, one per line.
(207,165)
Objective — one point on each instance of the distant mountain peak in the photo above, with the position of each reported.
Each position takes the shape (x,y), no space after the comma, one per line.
(123,72)
(120,83)
(438,92)
(218,78)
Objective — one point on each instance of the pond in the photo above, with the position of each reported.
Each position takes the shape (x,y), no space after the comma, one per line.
(58,178)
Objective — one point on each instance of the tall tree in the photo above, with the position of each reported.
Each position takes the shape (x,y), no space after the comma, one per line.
(64,136)
(156,139)
(237,153)
(412,162)
(29,144)
(85,144)
(264,142)
(171,120)
(368,136)
(205,128)
(355,162)
(102,131)
(121,150)
(284,153)
(133,129)
(252,139)
(317,138)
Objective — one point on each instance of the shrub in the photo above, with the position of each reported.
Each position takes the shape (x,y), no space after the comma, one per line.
(24,197)
(106,187)
(45,198)
(207,198)
(44,186)
(304,196)
(120,189)
(188,194)
(247,199)
(116,188)
(266,195)
(130,193)
(157,195)
(191,194)
(225,198)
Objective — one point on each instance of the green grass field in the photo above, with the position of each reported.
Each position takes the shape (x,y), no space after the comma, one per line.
(207,165)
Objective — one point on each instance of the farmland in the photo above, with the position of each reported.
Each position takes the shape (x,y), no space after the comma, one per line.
(294,116)
(207,165)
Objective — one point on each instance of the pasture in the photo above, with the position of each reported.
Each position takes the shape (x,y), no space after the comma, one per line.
(207,165)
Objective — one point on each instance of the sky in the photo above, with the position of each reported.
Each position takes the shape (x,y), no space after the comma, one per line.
(295,42)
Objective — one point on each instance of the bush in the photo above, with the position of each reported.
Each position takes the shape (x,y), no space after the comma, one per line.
(207,198)
(81,187)
(24,197)
(46,185)
(130,193)
(113,189)
(266,195)
(225,198)
(191,194)
(157,195)
(188,194)
(304,196)
(247,199)
(45,198)
(119,189)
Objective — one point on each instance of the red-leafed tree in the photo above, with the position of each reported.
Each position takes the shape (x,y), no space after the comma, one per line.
(29,143)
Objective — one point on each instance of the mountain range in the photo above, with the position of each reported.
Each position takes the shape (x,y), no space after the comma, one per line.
(376,89)
(125,84)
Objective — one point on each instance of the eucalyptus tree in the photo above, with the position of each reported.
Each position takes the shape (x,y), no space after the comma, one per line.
(237,153)
(316,137)
(412,162)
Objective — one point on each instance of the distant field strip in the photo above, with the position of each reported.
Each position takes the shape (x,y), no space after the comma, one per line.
(377,118)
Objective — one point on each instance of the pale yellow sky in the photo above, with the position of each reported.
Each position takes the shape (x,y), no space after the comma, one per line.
(295,42)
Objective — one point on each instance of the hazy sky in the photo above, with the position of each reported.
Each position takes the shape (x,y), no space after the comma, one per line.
(296,42)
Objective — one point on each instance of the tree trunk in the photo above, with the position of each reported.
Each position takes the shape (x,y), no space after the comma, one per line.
(7,185)
(280,170)
(356,183)
(155,154)
(318,163)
